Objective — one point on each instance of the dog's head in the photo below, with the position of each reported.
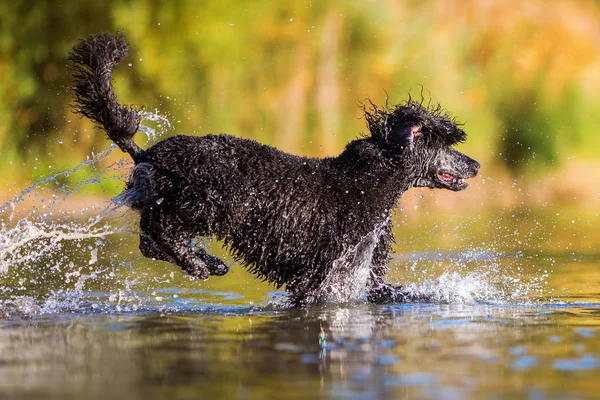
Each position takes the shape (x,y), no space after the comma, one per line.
(420,140)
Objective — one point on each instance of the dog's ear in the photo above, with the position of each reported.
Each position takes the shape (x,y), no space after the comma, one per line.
(412,132)
(407,135)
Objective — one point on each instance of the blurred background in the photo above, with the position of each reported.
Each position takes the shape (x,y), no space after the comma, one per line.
(524,78)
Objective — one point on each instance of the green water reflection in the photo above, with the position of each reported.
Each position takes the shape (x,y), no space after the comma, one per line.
(424,351)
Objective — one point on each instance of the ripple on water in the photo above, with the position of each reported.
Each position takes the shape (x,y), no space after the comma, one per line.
(524,362)
(412,379)
(585,362)
(585,332)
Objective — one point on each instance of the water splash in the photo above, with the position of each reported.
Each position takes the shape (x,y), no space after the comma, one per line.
(467,277)
(28,241)
(96,158)
(347,279)
(162,127)
(475,277)
(50,241)
(454,288)
(38,232)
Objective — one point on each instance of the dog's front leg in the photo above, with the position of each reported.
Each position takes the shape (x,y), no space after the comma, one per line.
(381,254)
(380,292)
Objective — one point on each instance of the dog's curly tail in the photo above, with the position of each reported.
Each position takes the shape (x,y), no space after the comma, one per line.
(94,60)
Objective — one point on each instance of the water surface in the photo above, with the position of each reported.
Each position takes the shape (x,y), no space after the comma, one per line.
(359,351)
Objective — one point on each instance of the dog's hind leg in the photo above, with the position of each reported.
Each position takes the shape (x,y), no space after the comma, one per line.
(159,240)
(150,249)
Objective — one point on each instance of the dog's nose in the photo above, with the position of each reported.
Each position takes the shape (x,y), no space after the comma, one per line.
(476,165)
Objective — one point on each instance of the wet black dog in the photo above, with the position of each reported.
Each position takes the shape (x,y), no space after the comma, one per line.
(319,226)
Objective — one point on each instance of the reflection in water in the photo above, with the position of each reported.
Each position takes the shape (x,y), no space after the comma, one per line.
(426,351)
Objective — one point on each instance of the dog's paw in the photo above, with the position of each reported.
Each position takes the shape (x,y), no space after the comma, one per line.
(197,269)
(217,267)
(382,293)
(214,264)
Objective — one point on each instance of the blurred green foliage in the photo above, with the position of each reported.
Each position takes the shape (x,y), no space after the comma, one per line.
(523,76)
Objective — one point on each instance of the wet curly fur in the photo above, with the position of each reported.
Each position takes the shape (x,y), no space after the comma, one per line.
(286,218)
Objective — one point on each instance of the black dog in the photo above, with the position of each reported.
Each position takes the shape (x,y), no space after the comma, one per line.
(319,226)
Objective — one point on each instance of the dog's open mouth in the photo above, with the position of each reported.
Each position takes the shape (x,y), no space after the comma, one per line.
(451,181)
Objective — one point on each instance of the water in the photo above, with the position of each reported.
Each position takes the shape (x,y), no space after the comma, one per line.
(401,351)
(515,311)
